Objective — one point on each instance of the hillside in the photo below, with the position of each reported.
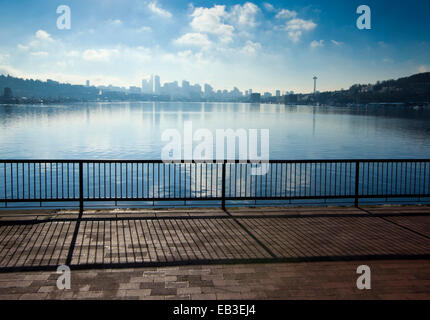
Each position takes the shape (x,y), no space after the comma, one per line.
(45,89)
(415,88)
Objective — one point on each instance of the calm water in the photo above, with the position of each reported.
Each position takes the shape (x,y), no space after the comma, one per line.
(133,130)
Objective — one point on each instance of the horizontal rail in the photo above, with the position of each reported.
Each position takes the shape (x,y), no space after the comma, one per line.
(207,161)
(227,180)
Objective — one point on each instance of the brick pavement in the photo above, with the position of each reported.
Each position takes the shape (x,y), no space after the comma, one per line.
(242,236)
(394,279)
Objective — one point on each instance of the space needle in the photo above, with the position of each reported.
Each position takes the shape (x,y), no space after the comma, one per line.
(315,84)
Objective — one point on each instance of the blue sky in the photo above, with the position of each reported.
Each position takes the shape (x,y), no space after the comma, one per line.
(264,45)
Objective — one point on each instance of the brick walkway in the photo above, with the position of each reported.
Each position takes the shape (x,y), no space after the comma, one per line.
(244,253)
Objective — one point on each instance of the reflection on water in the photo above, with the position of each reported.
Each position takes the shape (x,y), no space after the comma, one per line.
(133,130)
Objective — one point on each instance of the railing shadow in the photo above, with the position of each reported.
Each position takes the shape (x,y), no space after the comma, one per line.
(146,241)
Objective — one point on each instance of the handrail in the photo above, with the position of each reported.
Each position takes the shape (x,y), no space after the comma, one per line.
(27,180)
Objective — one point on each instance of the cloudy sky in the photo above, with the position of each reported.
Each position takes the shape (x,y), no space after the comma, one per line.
(264,45)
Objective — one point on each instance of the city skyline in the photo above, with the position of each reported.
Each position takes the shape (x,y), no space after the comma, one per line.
(262,45)
(152,84)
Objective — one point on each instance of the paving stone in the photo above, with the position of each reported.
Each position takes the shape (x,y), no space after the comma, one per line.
(288,233)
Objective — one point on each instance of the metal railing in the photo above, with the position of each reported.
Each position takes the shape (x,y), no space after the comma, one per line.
(151,180)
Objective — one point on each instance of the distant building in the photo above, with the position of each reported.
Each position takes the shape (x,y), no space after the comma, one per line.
(7,93)
(148,85)
(315,84)
(209,91)
(157,84)
(134,90)
(255,97)
(278,93)
(170,88)
(196,91)
(291,99)
(235,93)
(88,83)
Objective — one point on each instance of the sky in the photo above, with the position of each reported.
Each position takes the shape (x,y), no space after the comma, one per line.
(263,45)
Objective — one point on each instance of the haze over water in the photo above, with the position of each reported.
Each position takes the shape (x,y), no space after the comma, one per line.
(133,130)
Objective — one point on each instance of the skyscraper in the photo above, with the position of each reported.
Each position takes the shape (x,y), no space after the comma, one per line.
(315,85)
(151,84)
(185,88)
(157,84)
(147,85)
(208,90)
(88,83)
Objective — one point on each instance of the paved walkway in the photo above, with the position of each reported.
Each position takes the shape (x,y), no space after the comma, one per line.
(252,253)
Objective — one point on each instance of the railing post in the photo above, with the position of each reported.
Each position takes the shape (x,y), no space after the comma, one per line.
(357,180)
(81,188)
(223,186)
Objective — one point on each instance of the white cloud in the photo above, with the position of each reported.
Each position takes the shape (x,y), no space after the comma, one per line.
(138,54)
(300,24)
(43,36)
(115,23)
(251,48)
(194,39)
(41,39)
(286,14)
(268,7)
(221,23)
(99,54)
(144,29)
(336,43)
(211,20)
(39,53)
(185,59)
(316,44)
(423,68)
(296,27)
(245,15)
(185,54)
(155,8)
(22,47)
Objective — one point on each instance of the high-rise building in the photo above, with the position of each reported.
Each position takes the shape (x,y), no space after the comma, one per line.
(170,88)
(185,88)
(209,91)
(185,85)
(278,93)
(134,90)
(88,83)
(235,93)
(148,85)
(151,84)
(255,97)
(157,84)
